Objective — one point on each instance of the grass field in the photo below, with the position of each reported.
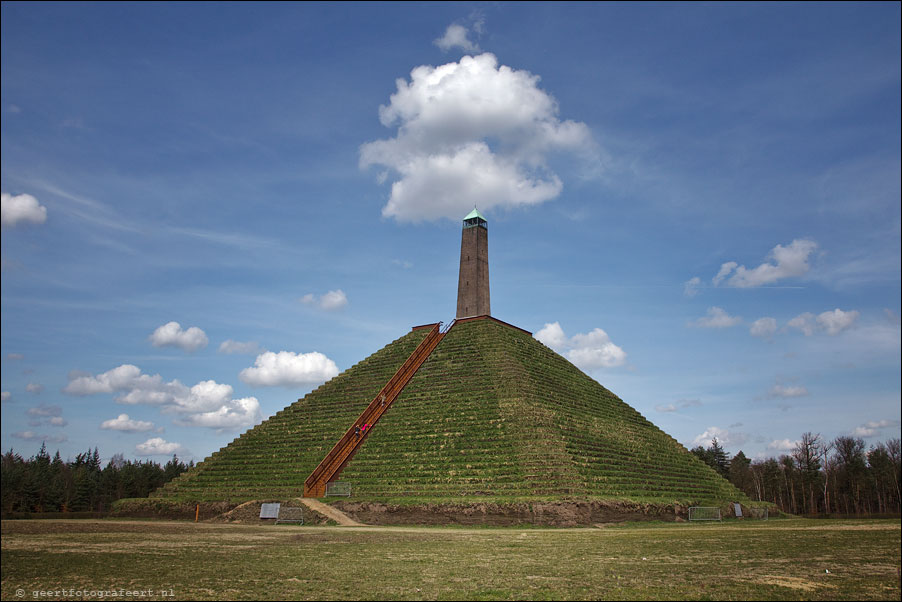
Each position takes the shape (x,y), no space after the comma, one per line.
(778,560)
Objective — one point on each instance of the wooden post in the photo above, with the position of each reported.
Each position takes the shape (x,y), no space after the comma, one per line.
(196,512)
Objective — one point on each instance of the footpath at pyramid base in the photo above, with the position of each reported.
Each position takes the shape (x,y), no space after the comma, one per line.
(492,413)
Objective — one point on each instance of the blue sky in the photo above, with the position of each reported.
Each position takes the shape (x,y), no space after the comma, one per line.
(210,209)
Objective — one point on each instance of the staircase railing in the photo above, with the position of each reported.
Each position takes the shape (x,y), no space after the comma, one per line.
(331,466)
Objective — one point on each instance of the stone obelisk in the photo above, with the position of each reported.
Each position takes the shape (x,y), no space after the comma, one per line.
(473,283)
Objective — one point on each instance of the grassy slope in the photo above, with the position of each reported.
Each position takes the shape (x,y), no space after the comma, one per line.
(493,412)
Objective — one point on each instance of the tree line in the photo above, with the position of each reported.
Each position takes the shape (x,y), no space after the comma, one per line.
(819,476)
(45,484)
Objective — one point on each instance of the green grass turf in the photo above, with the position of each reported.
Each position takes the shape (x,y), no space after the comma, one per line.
(773,560)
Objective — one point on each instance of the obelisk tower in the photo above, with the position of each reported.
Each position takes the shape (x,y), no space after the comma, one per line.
(473,283)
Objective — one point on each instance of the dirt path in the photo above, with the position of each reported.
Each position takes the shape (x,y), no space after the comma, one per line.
(339,517)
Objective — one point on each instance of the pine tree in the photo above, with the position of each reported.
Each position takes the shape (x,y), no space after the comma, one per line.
(741,474)
(719,459)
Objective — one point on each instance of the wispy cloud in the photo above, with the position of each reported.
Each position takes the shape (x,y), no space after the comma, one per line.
(782,262)
(763,327)
(231,347)
(780,390)
(456,36)
(331,301)
(873,428)
(716,318)
(829,322)
(46,415)
(679,405)
(87,209)
(33,436)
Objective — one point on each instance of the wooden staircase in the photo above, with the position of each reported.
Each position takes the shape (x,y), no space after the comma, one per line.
(332,465)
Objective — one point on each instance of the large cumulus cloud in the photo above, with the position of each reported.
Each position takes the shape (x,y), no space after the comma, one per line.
(471,132)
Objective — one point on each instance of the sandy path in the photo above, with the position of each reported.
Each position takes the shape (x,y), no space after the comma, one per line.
(339,517)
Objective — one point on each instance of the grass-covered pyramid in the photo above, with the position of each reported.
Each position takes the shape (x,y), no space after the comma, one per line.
(491,413)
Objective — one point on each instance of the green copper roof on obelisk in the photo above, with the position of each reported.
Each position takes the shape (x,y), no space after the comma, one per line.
(473,214)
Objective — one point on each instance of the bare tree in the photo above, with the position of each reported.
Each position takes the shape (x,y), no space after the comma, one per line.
(825,449)
(807,456)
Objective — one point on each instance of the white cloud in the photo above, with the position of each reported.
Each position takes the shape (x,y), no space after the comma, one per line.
(44,415)
(33,436)
(471,132)
(552,335)
(763,327)
(456,36)
(783,262)
(117,379)
(20,208)
(831,322)
(724,437)
(44,411)
(588,351)
(34,388)
(127,425)
(804,323)
(331,301)
(724,271)
(289,369)
(206,397)
(679,405)
(779,390)
(871,428)
(595,350)
(716,318)
(172,335)
(235,414)
(690,287)
(237,347)
(157,446)
(834,322)
(5,396)
(15,357)
(784,445)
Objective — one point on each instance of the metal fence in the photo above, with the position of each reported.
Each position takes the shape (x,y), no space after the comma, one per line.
(338,488)
(291,515)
